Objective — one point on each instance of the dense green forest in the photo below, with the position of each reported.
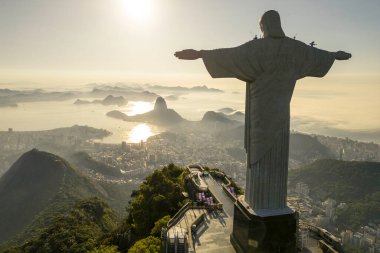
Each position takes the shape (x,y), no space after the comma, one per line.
(79,230)
(158,198)
(92,226)
(355,183)
(361,212)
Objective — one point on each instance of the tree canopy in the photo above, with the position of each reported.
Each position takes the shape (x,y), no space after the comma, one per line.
(150,244)
(76,232)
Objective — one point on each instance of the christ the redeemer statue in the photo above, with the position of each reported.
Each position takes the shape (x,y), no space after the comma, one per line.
(270,66)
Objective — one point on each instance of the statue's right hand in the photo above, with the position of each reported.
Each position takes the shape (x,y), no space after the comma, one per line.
(341,55)
(188,54)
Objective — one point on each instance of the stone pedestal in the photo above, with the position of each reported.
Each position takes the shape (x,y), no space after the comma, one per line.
(267,231)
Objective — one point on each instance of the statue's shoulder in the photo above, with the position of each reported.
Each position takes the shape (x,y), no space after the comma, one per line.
(256,42)
(295,42)
(265,43)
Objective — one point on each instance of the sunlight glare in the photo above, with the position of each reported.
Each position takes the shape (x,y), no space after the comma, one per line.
(138,107)
(139,133)
(138,10)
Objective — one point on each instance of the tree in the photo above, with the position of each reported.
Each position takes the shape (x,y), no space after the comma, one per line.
(157,198)
(147,245)
(76,231)
(158,225)
(159,195)
(105,249)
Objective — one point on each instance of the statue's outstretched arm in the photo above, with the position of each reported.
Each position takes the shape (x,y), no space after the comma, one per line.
(188,54)
(341,55)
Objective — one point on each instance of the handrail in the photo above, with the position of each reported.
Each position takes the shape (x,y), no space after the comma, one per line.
(225,185)
(223,176)
(229,194)
(178,214)
(196,221)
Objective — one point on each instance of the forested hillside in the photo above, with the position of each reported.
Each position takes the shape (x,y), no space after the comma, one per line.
(90,225)
(355,183)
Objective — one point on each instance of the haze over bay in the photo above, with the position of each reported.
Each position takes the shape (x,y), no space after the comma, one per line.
(316,108)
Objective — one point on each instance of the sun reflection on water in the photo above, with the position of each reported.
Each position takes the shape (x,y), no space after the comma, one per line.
(139,133)
(138,107)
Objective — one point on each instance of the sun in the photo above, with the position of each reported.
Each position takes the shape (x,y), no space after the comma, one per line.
(138,107)
(139,133)
(138,10)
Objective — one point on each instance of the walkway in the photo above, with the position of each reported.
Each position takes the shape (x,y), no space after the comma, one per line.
(214,234)
(183,226)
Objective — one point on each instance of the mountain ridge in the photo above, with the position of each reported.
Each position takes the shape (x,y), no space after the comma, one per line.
(39,182)
(160,115)
(341,180)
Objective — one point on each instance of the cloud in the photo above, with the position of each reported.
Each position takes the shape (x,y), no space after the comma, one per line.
(319,94)
(329,128)
(181,89)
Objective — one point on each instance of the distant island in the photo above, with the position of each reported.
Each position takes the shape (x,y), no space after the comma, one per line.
(121,93)
(10,97)
(227,110)
(109,100)
(212,116)
(172,97)
(161,115)
(232,114)
(239,116)
(7,104)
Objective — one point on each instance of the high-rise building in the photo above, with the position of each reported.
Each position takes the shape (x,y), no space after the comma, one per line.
(357,239)
(329,205)
(124,146)
(346,237)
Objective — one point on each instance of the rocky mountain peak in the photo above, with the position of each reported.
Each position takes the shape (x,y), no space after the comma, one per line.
(160,104)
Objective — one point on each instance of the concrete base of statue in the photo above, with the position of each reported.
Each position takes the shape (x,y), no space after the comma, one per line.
(264,231)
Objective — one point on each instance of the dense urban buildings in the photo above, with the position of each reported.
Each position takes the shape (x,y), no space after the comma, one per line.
(136,160)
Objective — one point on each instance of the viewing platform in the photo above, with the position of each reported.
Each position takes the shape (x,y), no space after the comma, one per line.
(179,237)
(196,173)
(205,224)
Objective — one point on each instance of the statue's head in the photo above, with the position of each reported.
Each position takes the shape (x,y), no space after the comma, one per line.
(270,24)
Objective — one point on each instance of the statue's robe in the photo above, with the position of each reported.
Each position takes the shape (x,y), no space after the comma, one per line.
(270,67)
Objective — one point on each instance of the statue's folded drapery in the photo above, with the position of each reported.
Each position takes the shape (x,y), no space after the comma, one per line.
(270,67)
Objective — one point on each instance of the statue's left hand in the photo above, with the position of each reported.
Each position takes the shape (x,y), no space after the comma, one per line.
(341,55)
(188,54)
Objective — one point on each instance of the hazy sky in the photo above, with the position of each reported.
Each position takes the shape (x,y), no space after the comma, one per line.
(79,41)
(74,42)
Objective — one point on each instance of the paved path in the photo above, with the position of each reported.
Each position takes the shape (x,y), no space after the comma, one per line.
(216,188)
(183,226)
(189,217)
(214,234)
